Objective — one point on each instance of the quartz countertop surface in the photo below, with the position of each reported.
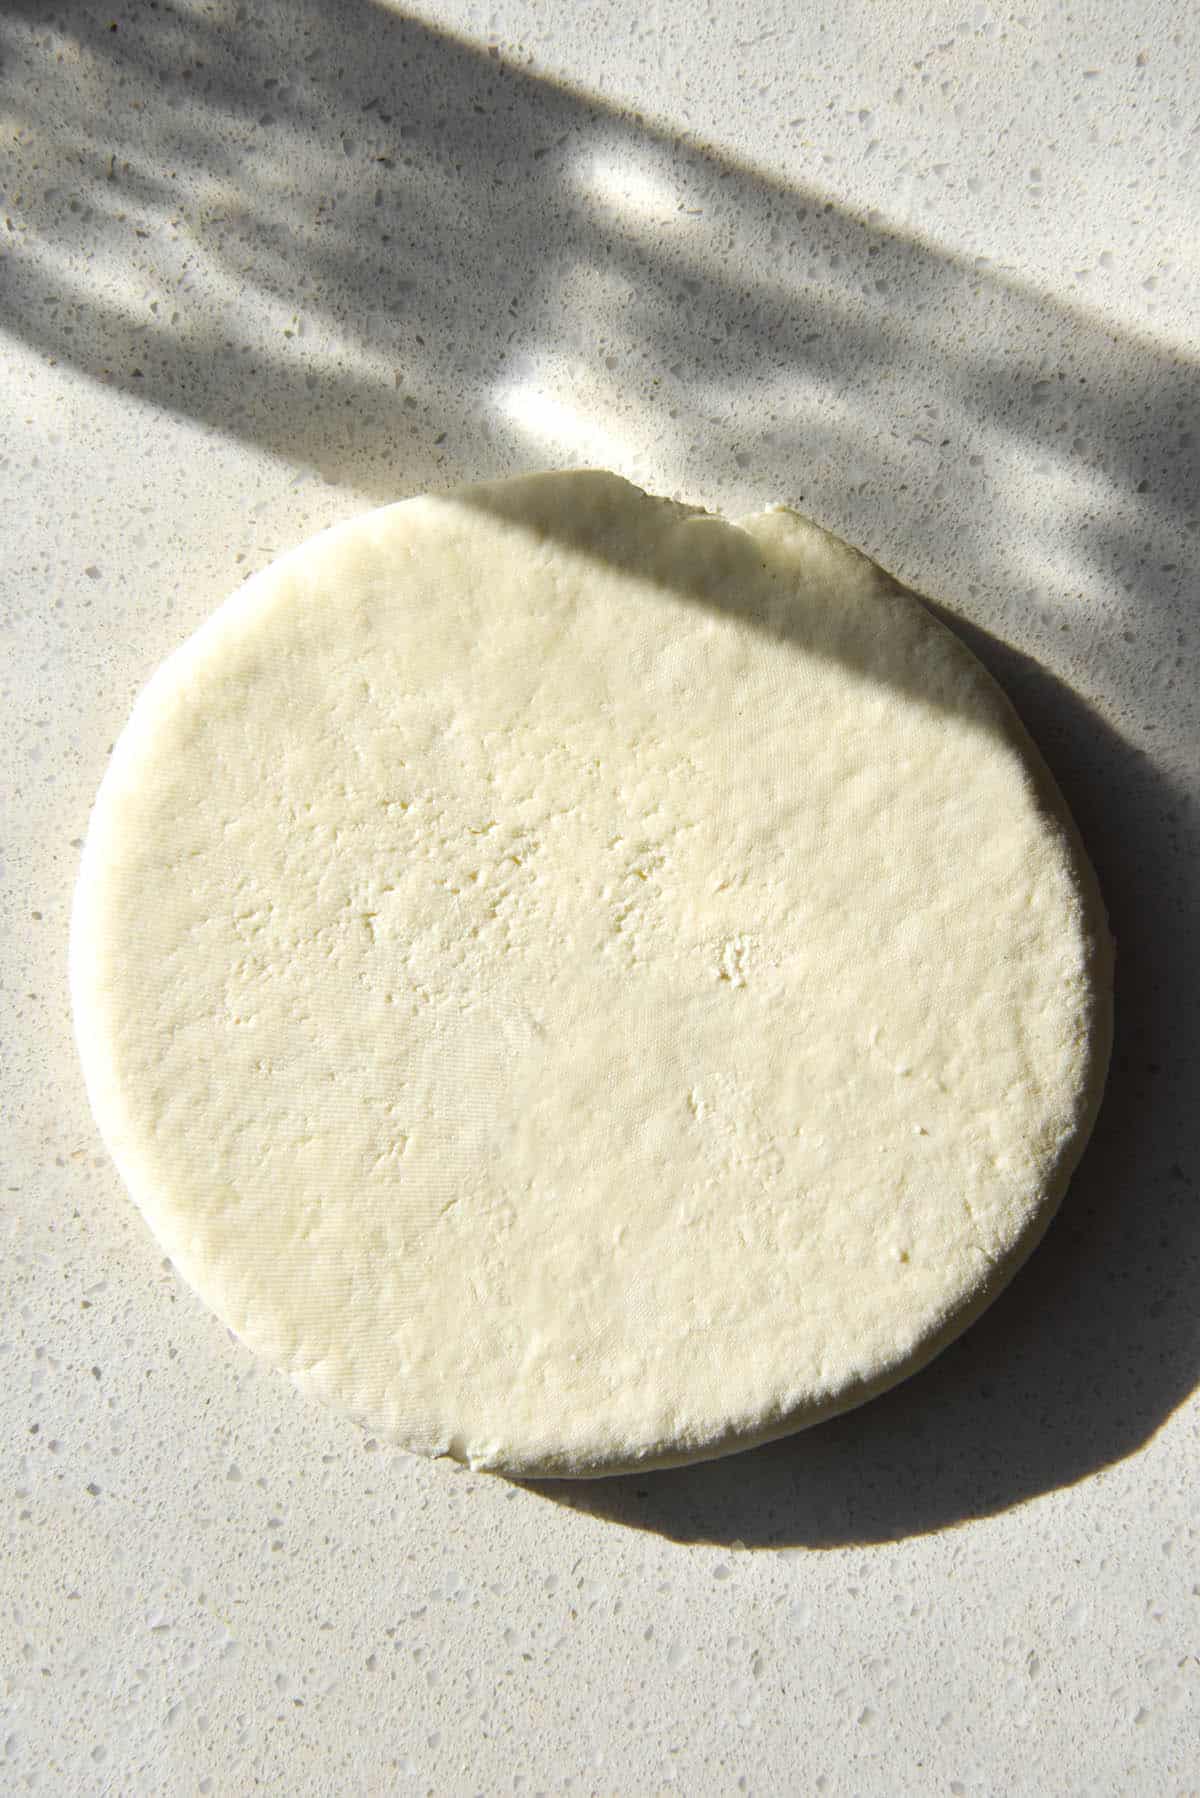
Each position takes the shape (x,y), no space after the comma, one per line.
(930,274)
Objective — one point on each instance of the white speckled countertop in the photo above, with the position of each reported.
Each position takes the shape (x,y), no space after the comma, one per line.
(930,273)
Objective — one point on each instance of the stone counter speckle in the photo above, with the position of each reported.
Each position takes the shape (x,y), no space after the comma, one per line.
(932,279)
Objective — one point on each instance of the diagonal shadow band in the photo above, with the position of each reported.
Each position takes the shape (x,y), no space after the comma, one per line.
(432,219)
(373,250)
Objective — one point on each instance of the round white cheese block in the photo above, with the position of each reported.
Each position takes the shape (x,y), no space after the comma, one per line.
(581,985)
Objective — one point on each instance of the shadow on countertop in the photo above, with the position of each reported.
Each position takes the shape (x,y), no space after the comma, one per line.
(439,237)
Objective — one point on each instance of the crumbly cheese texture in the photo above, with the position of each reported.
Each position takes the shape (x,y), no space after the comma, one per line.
(582,985)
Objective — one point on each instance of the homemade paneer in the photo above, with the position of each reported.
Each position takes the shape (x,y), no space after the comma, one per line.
(579,984)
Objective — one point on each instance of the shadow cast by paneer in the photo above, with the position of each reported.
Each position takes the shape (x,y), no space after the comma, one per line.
(401,260)
(1096,1341)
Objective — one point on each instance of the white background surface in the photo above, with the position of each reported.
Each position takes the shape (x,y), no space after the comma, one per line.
(930,274)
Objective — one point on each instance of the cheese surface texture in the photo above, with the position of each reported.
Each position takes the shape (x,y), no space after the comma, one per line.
(582,985)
